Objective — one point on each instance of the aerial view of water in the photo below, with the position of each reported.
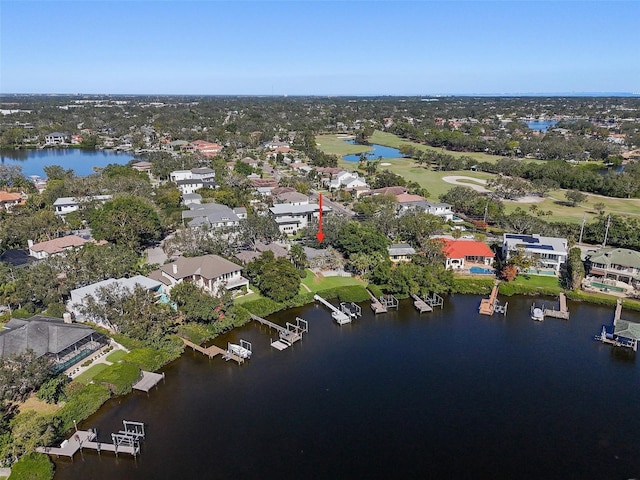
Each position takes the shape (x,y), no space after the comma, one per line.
(373,153)
(81,161)
(541,125)
(442,395)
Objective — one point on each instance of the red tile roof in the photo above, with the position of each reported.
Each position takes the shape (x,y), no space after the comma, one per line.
(465,248)
(407,197)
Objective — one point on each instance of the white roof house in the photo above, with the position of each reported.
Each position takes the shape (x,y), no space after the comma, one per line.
(80,295)
(291,218)
(347,180)
(548,252)
(65,205)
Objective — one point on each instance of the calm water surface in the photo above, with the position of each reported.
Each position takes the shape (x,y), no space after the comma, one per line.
(80,161)
(446,395)
(375,152)
(541,125)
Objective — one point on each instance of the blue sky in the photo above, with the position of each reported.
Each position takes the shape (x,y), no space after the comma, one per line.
(319,47)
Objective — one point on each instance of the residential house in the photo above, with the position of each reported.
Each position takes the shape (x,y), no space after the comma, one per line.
(191,199)
(211,272)
(388,191)
(408,202)
(613,264)
(548,253)
(64,205)
(246,256)
(347,181)
(291,218)
(189,181)
(57,138)
(214,214)
(63,342)
(401,252)
(469,255)
(8,200)
(208,149)
(293,198)
(56,246)
(80,296)
(144,167)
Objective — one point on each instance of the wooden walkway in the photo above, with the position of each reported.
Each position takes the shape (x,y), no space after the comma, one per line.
(376,306)
(148,381)
(563,311)
(488,305)
(88,439)
(420,304)
(212,351)
(288,335)
(338,315)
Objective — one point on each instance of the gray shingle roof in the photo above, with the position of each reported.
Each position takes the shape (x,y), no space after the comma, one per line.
(41,334)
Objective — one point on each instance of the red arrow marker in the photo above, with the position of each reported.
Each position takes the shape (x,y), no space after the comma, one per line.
(320,235)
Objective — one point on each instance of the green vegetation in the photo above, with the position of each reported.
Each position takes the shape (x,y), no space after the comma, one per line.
(87,376)
(149,359)
(532,284)
(82,403)
(33,466)
(119,377)
(317,283)
(116,356)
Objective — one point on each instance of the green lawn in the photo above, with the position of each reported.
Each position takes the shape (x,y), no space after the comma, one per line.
(116,356)
(336,145)
(247,298)
(537,281)
(86,376)
(317,284)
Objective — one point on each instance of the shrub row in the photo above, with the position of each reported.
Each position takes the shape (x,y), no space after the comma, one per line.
(477,286)
(119,377)
(84,403)
(510,288)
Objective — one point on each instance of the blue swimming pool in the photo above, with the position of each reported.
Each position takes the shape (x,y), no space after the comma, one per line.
(481,271)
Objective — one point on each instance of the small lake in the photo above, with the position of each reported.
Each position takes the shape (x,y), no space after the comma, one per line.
(541,125)
(445,395)
(79,160)
(374,152)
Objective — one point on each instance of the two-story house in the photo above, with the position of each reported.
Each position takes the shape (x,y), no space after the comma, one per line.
(211,272)
(291,218)
(64,205)
(546,252)
(618,264)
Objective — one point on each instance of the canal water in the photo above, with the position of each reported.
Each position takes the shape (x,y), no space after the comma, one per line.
(79,160)
(443,395)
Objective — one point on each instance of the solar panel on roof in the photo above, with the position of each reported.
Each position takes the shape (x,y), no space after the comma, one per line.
(524,238)
(544,247)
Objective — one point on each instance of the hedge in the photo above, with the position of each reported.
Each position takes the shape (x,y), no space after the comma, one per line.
(478,286)
(34,466)
(147,358)
(84,403)
(119,377)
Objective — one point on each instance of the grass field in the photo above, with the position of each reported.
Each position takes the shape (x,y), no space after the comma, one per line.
(336,145)
(37,405)
(537,281)
(116,356)
(318,283)
(86,376)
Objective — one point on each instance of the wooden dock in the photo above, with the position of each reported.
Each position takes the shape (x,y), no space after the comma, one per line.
(288,335)
(338,315)
(420,304)
(148,381)
(125,441)
(213,351)
(488,305)
(376,306)
(562,312)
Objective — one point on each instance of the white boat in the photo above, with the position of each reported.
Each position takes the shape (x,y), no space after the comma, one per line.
(537,313)
(241,352)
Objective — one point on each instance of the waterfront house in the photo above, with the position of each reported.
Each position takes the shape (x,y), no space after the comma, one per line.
(246,256)
(401,252)
(469,255)
(548,253)
(56,246)
(80,296)
(57,138)
(65,343)
(211,272)
(613,268)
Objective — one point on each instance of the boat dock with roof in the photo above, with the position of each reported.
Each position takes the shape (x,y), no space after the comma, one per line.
(622,333)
